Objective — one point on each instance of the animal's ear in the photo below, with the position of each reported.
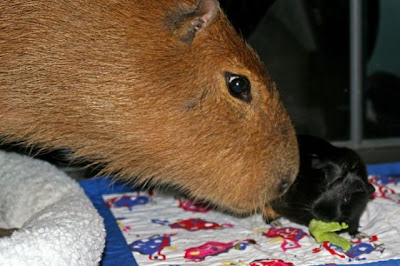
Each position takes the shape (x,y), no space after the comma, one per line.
(186,24)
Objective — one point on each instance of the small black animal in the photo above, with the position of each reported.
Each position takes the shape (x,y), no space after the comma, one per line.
(332,185)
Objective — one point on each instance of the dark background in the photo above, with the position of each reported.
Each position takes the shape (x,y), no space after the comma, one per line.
(305,46)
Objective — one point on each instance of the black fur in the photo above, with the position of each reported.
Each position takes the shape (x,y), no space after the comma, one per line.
(332,185)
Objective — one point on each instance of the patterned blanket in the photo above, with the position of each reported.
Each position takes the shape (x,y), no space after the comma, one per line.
(160,229)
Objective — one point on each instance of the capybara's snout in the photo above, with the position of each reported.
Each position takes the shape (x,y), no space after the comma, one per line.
(286,168)
(285,184)
(248,177)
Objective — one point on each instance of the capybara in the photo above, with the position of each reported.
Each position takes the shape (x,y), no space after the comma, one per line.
(332,185)
(159,92)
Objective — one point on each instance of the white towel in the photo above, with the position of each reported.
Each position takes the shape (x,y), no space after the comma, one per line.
(59,225)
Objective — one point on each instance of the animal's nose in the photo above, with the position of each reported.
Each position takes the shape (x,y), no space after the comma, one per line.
(284,186)
(326,211)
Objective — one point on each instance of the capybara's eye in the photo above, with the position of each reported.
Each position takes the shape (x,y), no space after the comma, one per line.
(239,86)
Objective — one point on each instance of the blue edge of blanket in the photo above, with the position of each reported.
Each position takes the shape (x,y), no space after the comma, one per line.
(117,251)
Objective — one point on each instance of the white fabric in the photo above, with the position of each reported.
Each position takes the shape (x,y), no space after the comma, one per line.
(59,225)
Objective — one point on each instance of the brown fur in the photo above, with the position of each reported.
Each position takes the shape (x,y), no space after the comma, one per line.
(120,82)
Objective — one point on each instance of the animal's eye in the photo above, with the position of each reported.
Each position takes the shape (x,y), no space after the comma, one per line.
(239,86)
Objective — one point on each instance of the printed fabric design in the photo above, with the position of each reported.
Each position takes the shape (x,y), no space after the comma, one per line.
(165,230)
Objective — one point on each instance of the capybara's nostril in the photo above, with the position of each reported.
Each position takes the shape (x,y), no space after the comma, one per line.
(284,186)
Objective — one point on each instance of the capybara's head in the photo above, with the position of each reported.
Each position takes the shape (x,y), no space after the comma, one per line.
(164,92)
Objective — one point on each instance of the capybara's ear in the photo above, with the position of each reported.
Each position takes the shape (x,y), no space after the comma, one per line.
(185,24)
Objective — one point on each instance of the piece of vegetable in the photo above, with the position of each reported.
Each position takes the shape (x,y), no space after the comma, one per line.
(325,231)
